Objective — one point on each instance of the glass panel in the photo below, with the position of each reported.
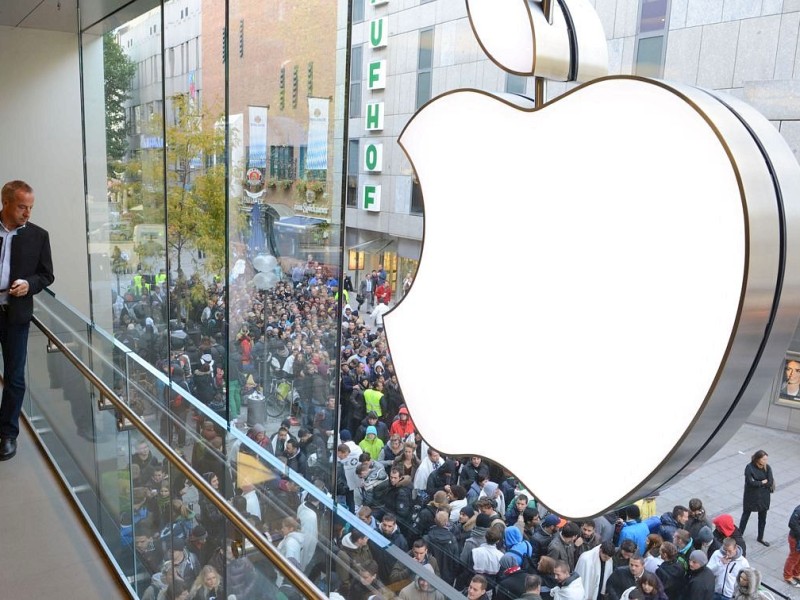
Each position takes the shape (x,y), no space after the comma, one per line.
(423,87)
(649,56)
(516,84)
(425,60)
(653,15)
(356,70)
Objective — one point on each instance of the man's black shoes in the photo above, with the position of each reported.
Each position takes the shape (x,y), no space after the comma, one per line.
(8,448)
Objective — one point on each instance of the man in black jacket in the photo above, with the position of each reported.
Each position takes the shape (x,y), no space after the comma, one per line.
(624,577)
(26,268)
(700,579)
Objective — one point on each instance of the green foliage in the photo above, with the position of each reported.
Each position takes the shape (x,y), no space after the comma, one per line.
(195,184)
(119,72)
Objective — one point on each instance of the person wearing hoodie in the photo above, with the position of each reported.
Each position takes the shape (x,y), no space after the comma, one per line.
(291,546)
(477,536)
(570,586)
(724,526)
(699,578)
(371,444)
(747,584)
(353,551)
(634,528)
(510,579)
(372,420)
(442,478)
(402,425)
(520,549)
(420,589)
(726,563)
(402,576)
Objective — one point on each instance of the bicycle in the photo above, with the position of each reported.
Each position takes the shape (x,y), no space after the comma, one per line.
(280,397)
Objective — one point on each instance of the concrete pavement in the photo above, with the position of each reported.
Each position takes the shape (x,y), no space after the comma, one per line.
(719,483)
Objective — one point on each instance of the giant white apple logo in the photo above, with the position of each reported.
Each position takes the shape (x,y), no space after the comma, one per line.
(615,276)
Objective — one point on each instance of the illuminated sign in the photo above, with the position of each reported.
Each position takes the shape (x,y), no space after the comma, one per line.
(650,266)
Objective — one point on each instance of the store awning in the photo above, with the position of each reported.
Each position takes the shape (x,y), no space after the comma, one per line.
(299,222)
(373,246)
(281,210)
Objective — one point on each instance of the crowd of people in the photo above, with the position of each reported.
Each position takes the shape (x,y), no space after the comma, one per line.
(461,518)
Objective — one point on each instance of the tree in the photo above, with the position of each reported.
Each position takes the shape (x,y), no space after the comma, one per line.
(119,72)
(196,182)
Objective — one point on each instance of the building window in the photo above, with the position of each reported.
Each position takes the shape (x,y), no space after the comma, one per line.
(416,197)
(515,84)
(424,65)
(281,162)
(356,73)
(652,37)
(353,150)
(358,11)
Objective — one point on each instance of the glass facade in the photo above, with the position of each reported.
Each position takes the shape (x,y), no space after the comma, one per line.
(228,151)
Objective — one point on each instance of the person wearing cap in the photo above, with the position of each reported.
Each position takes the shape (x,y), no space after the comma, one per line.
(699,578)
(543,534)
(185,565)
(724,526)
(463,525)
(477,535)
(726,563)
(197,544)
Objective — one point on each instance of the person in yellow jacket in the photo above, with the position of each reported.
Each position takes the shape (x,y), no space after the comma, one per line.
(372,444)
(373,398)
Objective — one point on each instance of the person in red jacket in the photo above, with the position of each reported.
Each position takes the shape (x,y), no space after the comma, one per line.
(383,293)
(403,425)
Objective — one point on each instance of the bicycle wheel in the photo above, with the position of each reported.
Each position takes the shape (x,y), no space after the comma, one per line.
(276,405)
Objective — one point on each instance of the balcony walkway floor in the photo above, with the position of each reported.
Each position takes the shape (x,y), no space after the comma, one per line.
(45,550)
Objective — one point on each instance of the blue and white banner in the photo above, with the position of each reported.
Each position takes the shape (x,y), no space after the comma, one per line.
(317,156)
(258,136)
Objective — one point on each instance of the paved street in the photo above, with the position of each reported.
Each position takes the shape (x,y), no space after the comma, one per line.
(719,484)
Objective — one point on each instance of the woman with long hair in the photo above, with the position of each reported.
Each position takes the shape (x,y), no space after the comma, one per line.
(758,487)
(208,584)
(651,587)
